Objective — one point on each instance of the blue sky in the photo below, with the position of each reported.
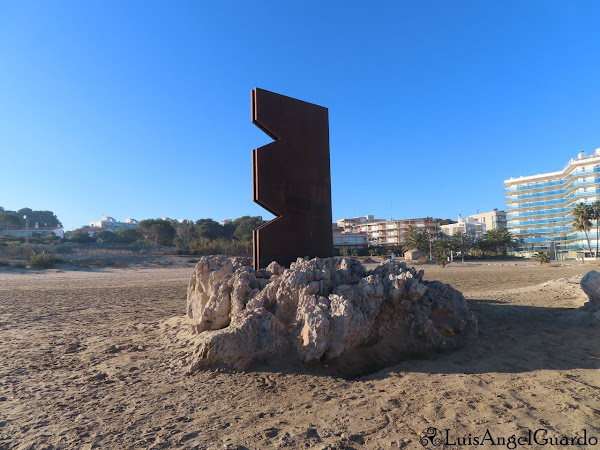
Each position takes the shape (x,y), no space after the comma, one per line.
(142,108)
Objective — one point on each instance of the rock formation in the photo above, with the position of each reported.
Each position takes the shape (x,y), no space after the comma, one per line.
(590,283)
(329,310)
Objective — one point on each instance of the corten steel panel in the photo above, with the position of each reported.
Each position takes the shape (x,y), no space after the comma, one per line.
(291,179)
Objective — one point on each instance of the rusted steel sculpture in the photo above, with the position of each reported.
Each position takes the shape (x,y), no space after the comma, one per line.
(291,179)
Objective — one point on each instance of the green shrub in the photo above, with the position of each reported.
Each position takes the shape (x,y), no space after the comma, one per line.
(42,261)
(192,261)
(542,257)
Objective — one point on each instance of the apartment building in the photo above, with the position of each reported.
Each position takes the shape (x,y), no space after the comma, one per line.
(476,224)
(539,207)
(491,219)
(393,232)
(112,224)
(469,226)
(353,225)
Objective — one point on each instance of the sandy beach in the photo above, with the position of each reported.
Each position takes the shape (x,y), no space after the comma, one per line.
(89,361)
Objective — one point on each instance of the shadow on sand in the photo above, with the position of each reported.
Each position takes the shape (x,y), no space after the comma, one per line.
(511,339)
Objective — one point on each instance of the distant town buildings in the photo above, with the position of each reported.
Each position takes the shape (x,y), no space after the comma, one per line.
(468,226)
(539,207)
(110,224)
(475,225)
(353,225)
(36,231)
(381,231)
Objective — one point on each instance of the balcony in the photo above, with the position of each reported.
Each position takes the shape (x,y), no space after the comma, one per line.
(539,212)
(566,199)
(544,184)
(539,222)
(542,230)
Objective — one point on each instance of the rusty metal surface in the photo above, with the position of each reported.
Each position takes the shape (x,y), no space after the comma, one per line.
(291,179)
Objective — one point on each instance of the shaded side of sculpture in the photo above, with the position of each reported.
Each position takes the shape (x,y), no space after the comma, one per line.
(291,179)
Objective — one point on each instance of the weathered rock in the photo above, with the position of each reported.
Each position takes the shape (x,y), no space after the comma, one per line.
(590,283)
(589,313)
(414,255)
(324,309)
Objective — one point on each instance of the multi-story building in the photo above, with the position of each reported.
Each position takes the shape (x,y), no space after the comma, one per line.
(353,225)
(491,219)
(393,232)
(476,224)
(108,223)
(539,207)
(469,226)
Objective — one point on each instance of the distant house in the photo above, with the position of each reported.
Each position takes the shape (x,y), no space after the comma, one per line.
(349,239)
(36,231)
(111,224)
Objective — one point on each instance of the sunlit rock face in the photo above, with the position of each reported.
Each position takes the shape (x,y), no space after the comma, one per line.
(320,312)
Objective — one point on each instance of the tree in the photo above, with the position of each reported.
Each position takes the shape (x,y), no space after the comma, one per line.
(596,215)
(79,236)
(9,221)
(186,232)
(482,245)
(441,248)
(417,238)
(107,236)
(581,221)
(42,218)
(208,229)
(440,222)
(244,226)
(157,231)
(228,230)
(499,239)
(128,235)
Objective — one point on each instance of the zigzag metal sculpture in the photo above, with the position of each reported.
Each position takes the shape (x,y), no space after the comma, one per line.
(291,179)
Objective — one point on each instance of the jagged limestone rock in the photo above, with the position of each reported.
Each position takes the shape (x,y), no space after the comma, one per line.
(323,309)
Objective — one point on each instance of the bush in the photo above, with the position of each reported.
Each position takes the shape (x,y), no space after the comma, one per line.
(542,257)
(192,261)
(42,261)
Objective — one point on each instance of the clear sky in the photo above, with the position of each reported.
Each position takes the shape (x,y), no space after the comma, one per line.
(142,108)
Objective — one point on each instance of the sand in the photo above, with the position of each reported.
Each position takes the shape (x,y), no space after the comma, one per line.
(87,361)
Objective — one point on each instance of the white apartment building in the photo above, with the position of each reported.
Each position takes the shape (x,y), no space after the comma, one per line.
(476,224)
(491,219)
(112,224)
(469,226)
(539,207)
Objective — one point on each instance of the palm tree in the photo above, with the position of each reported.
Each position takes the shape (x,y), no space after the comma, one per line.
(596,215)
(500,239)
(417,238)
(581,220)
